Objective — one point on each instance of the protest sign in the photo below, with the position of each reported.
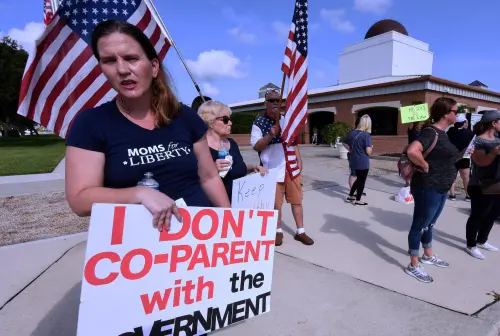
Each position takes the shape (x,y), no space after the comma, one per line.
(468,151)
(474,118)
(255,191)
(210,271)
(414,113)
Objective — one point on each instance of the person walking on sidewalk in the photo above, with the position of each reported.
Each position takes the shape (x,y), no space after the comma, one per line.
(430,184)
(359,145)
(460,136)
(265,139)
(485,208)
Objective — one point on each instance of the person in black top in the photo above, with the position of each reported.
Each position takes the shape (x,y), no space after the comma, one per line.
(460,136)
(197,101)
(430,184)
(414,132)
(146,130)
(218,118)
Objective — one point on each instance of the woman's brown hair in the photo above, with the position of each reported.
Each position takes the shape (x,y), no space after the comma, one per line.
(441,107)
(164,104)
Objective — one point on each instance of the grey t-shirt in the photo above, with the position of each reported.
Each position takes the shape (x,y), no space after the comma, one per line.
(478,173)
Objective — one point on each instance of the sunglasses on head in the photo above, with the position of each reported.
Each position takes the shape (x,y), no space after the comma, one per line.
(272,100)
(225,119)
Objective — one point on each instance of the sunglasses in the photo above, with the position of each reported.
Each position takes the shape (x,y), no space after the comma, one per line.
(273,101)
(225,119)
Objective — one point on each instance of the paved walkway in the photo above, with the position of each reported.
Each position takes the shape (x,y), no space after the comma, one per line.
(350,282)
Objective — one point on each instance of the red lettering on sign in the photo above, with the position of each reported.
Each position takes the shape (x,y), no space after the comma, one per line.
(228,220)
(235,252)
(176,258)
(125,264)
(200,256)
(265,214)
(89,270)
(217,254)
(214,224)
(118,224)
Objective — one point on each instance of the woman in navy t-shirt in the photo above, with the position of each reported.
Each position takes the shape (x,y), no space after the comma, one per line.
(112,146)
(218,118)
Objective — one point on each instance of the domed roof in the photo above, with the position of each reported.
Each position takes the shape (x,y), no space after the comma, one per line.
(385,26)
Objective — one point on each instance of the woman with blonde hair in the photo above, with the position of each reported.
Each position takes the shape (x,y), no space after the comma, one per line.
(217,116)
(146,132)
(359,143)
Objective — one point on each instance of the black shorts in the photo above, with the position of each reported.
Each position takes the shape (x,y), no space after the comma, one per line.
(462,164)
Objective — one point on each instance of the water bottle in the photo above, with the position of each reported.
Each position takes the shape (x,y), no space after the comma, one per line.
(149,181)
(224,155)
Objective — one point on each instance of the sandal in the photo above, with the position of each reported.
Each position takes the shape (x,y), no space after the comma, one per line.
(351,198)
(360,203)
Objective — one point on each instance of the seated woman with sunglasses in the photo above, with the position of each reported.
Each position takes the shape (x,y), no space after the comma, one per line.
(217,117)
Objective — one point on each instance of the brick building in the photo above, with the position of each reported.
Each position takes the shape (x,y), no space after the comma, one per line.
(377,76)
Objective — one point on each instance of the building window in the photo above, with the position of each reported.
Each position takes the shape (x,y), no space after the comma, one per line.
(384,119)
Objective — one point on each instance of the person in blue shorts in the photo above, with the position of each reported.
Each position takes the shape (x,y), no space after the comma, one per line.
(146,129)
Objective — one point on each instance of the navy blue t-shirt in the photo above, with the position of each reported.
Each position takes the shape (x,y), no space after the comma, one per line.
(239,167)
(131,150)
(359,141)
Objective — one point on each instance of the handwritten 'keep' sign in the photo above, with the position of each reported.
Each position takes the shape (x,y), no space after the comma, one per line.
(414,113)
(255,191)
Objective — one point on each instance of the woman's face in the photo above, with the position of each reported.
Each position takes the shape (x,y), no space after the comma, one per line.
(496,125)
(125,65)
(222,124)
(451,117)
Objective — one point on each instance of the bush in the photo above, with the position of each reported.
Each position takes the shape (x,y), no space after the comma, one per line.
(333,131)
(242,122)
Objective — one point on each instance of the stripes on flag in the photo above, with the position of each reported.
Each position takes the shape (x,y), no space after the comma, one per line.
(62,78)
(48,12)
(295,68)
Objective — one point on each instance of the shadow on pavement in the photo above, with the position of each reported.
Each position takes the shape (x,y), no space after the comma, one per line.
(360,233)
(402,222)
(63,318)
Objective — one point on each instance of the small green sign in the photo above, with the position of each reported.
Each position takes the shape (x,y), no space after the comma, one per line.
(414,113)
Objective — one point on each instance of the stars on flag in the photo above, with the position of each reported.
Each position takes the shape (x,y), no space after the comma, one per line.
(83,18)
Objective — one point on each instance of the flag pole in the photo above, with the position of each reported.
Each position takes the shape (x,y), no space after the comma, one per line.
(278,117)
(166,33)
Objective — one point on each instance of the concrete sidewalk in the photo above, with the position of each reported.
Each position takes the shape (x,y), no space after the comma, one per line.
(306,300)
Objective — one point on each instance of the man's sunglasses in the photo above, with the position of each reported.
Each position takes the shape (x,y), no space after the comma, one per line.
(225,119)
(273,100)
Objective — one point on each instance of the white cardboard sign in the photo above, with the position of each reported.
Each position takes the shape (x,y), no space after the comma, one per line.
(255,191)
(211,271)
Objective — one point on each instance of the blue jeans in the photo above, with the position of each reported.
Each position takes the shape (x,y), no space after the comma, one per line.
(428,206)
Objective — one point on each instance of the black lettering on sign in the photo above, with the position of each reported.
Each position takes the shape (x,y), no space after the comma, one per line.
(252,281)
(213,319)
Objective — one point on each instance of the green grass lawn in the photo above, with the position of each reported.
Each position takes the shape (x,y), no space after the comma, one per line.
(30,154)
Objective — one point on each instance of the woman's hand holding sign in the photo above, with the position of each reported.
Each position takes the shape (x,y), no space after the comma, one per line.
(161,207)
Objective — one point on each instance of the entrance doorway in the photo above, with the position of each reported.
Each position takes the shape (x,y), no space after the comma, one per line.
(384,119)
(318,120)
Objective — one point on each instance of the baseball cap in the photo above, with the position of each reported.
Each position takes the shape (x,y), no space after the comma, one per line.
(490,116)
(461,118)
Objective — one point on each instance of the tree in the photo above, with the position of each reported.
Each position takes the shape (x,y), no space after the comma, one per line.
(13,60)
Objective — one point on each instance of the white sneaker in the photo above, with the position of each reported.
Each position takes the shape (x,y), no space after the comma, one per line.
(474,252)
(488,247)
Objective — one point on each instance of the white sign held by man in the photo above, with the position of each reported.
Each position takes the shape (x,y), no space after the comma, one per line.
(255,191)
(212,270)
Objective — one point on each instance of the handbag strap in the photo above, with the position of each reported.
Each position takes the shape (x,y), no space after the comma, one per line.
(431,147)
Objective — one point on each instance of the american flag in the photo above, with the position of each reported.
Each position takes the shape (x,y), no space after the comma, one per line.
(48,12)
(295,68)
(62,77)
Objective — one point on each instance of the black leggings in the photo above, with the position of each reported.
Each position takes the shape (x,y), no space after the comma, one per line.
(359,185)
(484,210)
